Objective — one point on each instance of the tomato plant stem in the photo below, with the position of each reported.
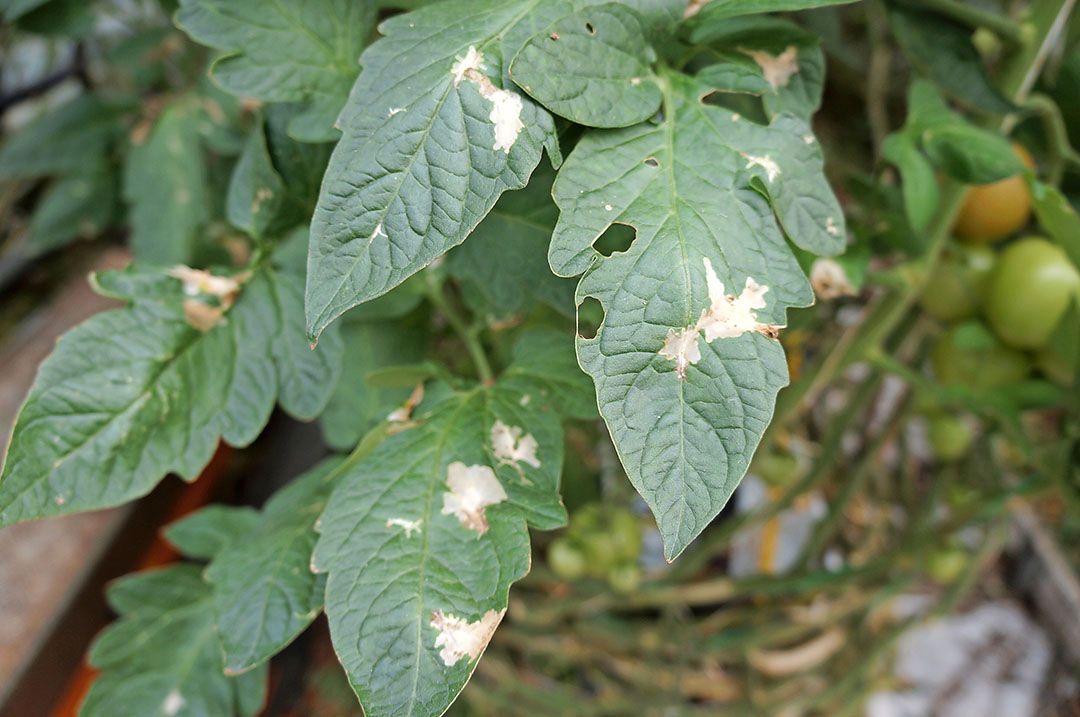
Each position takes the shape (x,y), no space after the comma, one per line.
(975,18)
(469,334)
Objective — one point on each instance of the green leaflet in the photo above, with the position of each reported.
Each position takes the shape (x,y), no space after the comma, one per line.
(355,406)
(919,185)
(165,186)
(14,9)
(205,533)
(546,370)
(429,142)
(162,656)
(264,591)
(943,50)
(70,138)
(1057,217)
(138,392)
(789,63)
(591,67)
(505,258)
(423,538)
(80,205)
(710,12)
(256,190)
(701,186)
(285,52)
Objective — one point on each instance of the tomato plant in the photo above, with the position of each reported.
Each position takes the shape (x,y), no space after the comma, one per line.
(470,237)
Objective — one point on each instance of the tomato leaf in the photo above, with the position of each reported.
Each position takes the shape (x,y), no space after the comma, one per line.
(70,138)
(591,67)
(138,392)
(433,134)
(701,189)
(285,52)
(205,533)
(264,592)
(919,185)
(1056,216)
(423,538)
(162,657)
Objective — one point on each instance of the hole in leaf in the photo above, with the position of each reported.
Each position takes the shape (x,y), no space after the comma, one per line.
(590,315)
(590,28)
(652,162)
(615,240)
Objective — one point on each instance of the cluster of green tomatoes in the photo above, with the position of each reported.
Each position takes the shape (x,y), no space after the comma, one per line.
(1005,304)
(602,542)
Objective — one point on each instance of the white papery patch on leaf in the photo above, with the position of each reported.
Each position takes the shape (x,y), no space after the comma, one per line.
(506,106)
(174,702)
(511,447)
(409,526)
(778,69)
(727,317)
(472,489)
(829,280)
(459,638)
(772,169)
(681,346)
(200,286)
(730,316)
(404,412)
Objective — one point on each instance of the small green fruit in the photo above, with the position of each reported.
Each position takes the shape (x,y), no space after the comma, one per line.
(566,560)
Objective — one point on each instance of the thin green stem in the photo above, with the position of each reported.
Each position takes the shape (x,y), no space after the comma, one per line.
(469,334)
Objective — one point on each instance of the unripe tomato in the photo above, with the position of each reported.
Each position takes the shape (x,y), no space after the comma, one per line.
(969,355)
(624,577)
(776,467)
(626,533)
(1029,292)
(1056,366)
(946,566)
(566,560)
(991,212)
(950,437)
(955,285)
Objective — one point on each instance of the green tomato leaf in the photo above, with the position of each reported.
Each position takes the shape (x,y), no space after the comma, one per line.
(685,370)
(205,533)
(505,259)
(970,154)
(423,538)
(165,186)
(264,591)
(355,405)
(78,206)
(545,369)
(1057,216)
(707,13)
(256,190)
(734,72)
(942,50)
(68,139)
(138,392)
(285,52)
(919,185)
(162,656)
(591,67)
(432,136)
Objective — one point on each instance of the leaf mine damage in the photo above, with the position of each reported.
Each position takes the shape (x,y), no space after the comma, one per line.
(506,106)
(472,489)
(727,317)
(511,447)
(459,638)
(778,69)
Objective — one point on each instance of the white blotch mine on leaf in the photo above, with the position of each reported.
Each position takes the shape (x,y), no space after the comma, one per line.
(829,280)
(459,638)
(394,110)
(174,702)
(472,489)
(404,412)
(831,228)
(511,447)
(201,286)
(506,106)
(726,317)
(407,525)
(681,346)
(693,7)
(772,169)
(777,69)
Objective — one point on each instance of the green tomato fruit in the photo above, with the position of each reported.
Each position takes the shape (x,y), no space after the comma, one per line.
(946,566)
(624,577)
(1029,292)
(625,531)
(950,437)
(969,355)
(566,560)
(955,285)
(776,467)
